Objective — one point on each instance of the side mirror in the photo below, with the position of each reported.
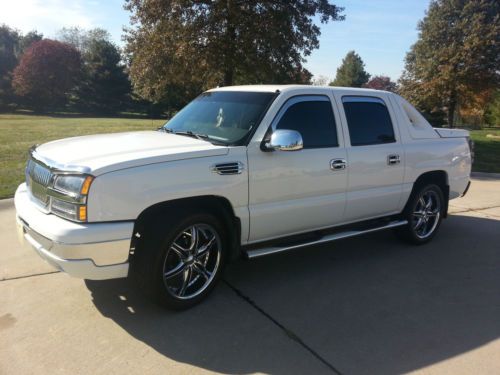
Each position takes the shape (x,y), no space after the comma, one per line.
(285,140)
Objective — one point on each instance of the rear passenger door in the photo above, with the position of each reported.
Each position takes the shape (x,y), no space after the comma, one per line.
(374,157)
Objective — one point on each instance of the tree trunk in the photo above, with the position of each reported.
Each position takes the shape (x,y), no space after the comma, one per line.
(452,106)
(230,40)
(451,114)
(228,75)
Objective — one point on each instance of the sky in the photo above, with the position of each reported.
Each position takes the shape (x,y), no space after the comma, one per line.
(380,31)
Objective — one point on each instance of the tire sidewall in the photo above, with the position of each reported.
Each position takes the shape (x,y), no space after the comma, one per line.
(412,206)
(155,250)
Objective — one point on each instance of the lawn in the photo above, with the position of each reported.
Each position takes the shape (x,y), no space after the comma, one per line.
(19,132)
(487,150)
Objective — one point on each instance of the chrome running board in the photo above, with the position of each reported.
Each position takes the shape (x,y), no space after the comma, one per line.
(255,253)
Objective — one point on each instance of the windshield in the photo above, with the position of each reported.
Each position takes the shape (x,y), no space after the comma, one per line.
(224,116)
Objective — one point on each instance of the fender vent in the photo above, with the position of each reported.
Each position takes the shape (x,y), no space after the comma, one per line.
(228,168)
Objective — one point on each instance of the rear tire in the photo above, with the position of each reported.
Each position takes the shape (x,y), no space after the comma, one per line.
(178,262)
(424,213)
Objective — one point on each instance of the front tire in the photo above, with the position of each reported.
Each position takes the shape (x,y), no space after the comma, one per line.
(179,264)
(424,213)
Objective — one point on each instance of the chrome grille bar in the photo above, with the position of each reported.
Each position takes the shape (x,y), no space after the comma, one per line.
(41,174)
(38,178)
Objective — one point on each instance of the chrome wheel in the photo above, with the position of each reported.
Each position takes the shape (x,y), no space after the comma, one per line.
(426,214)
(192,261)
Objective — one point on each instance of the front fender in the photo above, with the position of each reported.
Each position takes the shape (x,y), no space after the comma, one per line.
(124,194)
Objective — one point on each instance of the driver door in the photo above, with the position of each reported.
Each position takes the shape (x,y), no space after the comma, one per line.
(292,192)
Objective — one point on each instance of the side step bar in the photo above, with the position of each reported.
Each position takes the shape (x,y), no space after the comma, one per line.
(327,238)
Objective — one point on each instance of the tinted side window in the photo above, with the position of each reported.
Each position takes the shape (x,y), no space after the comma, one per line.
(314,120)
(368,121)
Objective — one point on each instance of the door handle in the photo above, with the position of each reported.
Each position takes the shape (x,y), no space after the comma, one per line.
(393,159)
(338,164)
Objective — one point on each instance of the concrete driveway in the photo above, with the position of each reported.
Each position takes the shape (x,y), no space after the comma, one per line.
(369,305)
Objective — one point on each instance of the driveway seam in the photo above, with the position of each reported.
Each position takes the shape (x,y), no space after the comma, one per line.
(26,276)
(474,210)
(293,336)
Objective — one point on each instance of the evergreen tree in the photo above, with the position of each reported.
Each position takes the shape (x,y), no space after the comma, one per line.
(103,86)
(9,46)
(352,72)
(493,110)
(12,46)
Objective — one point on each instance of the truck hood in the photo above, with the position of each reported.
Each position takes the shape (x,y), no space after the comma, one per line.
(102,153)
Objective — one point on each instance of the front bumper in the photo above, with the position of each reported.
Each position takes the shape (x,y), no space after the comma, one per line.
(94,251)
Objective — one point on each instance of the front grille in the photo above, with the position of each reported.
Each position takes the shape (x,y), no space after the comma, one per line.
(38,178)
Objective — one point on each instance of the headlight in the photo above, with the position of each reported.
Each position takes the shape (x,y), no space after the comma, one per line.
(69,196)
(69,184)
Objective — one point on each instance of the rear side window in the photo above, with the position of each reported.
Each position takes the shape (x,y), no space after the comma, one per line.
(314,120)
(368,121)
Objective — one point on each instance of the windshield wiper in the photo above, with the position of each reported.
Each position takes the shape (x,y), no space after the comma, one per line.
(203,137)
(189,133)
(164,129)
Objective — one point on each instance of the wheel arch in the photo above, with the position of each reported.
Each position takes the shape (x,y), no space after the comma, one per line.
(217,205)
(438,177)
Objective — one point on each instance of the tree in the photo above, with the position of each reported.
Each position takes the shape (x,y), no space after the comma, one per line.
(352,72)
(456,56)
(9,44)
(9,47)
(178,48)
(12,45)
(46,73)
(105,86)
(320,81)
(493,110)
(80,38)
(472,113)
(381,83)
(27,40)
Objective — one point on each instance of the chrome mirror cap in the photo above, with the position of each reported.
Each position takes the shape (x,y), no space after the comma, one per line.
(285,140)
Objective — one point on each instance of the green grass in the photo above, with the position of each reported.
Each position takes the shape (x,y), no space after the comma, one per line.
(18,132)
(487,150)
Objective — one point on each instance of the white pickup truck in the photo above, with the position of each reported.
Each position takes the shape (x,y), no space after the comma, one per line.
(240,171)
